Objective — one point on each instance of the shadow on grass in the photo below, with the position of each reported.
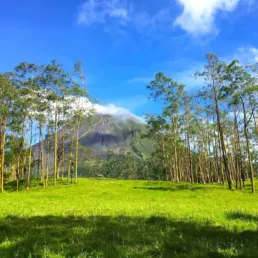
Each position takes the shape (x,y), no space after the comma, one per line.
(100,236)
(171,189)
(12,186)
(242,216)
(178,187)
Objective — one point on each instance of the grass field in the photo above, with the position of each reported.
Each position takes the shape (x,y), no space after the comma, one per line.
(113,218)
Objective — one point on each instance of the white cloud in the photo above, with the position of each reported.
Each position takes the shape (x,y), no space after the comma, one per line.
(247,55)
(124,13)
(139,80)
(116,111)
(186,68)
(98,11)
(187,78)
(132,103)
(199,15)
(109,109)
(254,51)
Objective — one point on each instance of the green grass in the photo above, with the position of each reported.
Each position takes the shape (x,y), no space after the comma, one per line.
(115,218)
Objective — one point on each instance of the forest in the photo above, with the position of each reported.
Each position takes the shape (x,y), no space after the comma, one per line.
(36,103)
(202,136)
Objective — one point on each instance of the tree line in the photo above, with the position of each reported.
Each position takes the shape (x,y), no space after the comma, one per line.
(125,165)
(40,107)
(209,136)
(205,136)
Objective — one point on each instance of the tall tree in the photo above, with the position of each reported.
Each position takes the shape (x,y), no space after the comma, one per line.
(243,89)
(8,95)
(171,93)
(214,76)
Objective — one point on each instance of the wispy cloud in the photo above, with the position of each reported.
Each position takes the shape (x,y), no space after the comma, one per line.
(116,111)
(139,80)
(186,68)
(198,16)
(132,103)
(120,109)
(126,13)
(247,55)
(99,11)
(187,78)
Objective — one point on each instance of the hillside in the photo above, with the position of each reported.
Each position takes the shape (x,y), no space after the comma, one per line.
(111,133)
(104,134)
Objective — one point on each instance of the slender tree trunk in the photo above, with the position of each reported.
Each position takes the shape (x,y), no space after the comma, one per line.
(30,154)
(210,159)
(249,159)
(39,157)
(217,159)
(17,175)
(42,157)
(59,154)
(206,156)
(250,162)
(200,167)
(164,160)
(25,145)
(224,153)
(47,161)
(189,147)
(55,147)
(76,154)
(71,157)
(63,153)
(175,152)
(2,150)
(237,151)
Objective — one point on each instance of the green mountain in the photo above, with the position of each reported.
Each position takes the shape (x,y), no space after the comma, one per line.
(114,143)
(111,133)
(105,134)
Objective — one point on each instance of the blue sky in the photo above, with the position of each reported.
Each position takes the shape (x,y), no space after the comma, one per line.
(124,43)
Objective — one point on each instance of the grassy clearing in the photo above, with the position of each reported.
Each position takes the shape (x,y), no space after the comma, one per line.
(113,218)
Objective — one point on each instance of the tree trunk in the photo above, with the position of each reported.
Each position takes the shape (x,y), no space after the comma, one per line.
(55,147)
(189,147)
(224,153)
(250,164)
(2,148)
(17,175)
(71,157)
(42,158)
(164,160)
(63,153)
(30,154)
(76,154)
(47,161)
(237,152)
